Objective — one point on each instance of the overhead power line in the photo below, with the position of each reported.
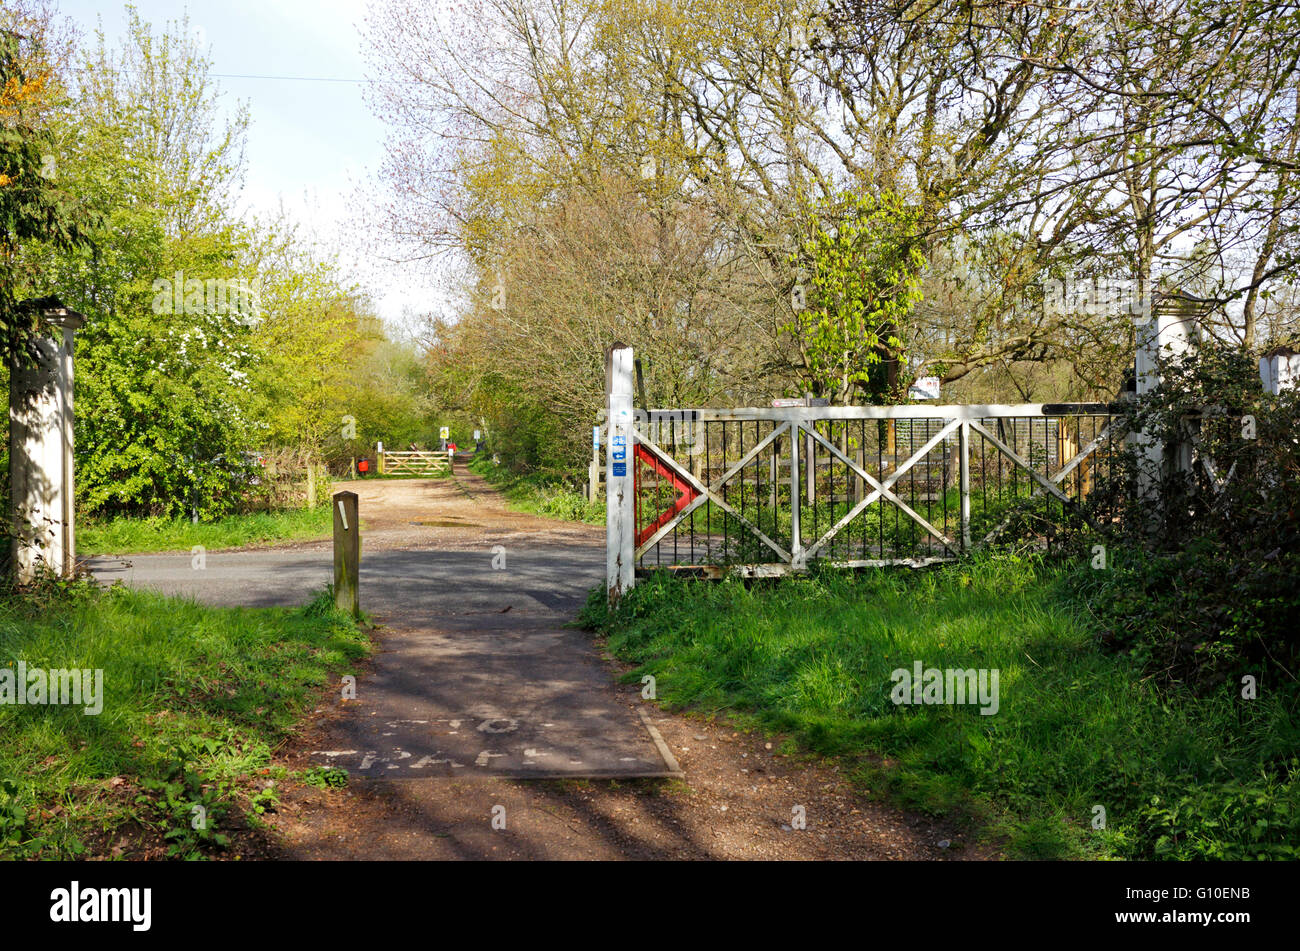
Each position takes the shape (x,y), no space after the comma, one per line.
(296,79)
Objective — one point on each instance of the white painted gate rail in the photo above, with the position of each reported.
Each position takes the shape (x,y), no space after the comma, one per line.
(764,491)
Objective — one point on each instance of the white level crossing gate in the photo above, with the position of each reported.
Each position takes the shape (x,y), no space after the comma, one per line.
(764,491)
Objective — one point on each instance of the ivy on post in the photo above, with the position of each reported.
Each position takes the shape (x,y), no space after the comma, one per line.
(347,554)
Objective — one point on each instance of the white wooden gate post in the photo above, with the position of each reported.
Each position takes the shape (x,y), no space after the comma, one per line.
(620,513)
(796,533)
(40,453)
(963,438)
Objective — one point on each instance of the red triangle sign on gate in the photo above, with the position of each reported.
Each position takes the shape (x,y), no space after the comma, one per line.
(686,493)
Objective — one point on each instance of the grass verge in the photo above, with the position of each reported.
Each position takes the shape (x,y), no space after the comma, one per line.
(194,701)
(123,536)
(540,494)
(1177,775)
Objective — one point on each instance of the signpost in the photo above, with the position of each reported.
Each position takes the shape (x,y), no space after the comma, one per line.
(794,402)
(347,554)
(618,454)
(620,515)
(593,467)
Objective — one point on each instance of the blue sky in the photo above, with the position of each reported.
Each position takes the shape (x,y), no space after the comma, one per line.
(310,143)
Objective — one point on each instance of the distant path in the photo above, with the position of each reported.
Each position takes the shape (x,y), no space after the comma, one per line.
(478,690)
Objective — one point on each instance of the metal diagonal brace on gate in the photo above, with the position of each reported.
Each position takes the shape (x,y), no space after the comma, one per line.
(706,494)
(1049,485)
(1198,447)
(882,489)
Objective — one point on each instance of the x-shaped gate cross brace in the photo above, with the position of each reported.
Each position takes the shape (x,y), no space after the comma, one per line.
(685,493)
(704,493)
(882,489)
(1045,484)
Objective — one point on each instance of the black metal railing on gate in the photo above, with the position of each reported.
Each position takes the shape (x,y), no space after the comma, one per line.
(773,489)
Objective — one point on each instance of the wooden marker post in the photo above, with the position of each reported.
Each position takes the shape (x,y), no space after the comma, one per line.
(811,451)
(593,469)
(1067,447)
(347,554)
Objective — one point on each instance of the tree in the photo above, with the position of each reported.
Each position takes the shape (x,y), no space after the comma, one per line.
(864,265)
(33,208)
(1037,147)
(164,359)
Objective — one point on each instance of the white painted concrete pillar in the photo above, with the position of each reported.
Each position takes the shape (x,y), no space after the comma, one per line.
(1279,370)
(620,511)
(1169,333)
(40,454)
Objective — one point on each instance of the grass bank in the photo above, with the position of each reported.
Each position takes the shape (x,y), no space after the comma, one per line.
(194,701)
(540,494)
(123,536)
(1076,728)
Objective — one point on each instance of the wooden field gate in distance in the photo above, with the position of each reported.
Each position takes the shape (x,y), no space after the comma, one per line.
(764,491)
(416,463)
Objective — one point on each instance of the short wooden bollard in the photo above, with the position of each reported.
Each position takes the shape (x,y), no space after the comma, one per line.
(347,553)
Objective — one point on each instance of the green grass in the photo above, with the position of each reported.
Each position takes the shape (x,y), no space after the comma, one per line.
(195,700)
(134,535)
(1178,775)
(539,494)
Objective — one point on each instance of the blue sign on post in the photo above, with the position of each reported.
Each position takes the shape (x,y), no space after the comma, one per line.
(595,437)
(618,454)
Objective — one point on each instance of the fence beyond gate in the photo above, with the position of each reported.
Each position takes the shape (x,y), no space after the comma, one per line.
(764,491)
